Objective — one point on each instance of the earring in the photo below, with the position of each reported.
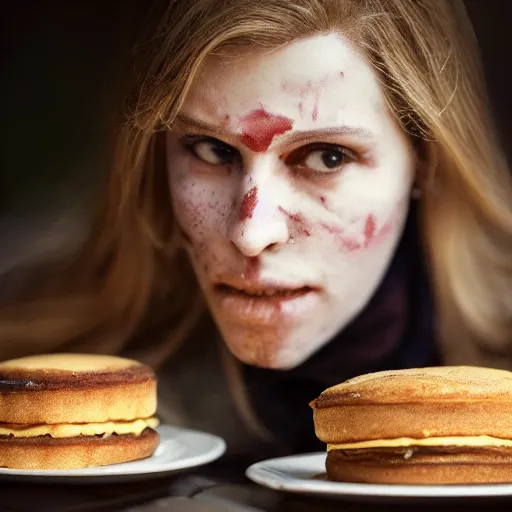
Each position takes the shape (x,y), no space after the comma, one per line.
(416,193)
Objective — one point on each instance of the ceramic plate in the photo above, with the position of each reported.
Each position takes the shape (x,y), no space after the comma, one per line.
(179,449)
(302,474)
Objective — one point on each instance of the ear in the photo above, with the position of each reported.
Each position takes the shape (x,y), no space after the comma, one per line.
(426,165)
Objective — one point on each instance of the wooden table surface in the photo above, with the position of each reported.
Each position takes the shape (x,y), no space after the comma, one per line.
(195,493)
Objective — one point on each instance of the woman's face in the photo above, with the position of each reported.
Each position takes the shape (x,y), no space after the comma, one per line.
(290,182)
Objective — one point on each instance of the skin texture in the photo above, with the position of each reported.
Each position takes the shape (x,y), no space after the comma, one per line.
(308,187)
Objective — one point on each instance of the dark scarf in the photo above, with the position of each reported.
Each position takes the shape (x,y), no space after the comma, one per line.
(395,330)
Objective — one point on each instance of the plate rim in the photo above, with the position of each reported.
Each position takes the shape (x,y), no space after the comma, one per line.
(270,473)
(217,448)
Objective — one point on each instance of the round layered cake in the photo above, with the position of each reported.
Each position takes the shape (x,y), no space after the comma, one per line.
(438,425)
(65,411)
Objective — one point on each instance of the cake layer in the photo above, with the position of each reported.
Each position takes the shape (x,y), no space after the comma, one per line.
(78,429)
(75,388)
(45,452)
(421,465)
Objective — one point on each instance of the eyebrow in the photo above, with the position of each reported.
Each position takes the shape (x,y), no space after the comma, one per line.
(197,123)
(293,137)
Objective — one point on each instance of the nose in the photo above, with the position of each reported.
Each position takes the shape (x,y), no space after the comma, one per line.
(258,224)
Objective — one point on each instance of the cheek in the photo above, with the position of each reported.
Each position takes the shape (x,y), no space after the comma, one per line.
(351,230)
(362,234)
(369,229)
(202,209)
(365,209)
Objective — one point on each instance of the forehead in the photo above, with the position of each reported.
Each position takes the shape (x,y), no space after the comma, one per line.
(322,68)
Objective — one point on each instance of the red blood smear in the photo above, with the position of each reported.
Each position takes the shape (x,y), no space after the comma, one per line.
(371,234)
(309,88)
(370,227)
(252,269)
(298,219)
(259,129)
(385,230)
(348,244)
(249,202)
(314,114)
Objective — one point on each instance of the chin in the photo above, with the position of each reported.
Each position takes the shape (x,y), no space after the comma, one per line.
(266,358)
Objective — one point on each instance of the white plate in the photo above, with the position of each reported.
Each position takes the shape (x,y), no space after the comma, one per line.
(179,449)
(297,474)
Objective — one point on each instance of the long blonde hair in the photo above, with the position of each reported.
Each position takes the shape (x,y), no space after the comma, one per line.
(131,276)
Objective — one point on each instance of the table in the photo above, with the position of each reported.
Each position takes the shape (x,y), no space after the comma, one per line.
(190,492)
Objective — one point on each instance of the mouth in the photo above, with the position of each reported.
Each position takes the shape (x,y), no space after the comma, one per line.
(263,292)
(264,304)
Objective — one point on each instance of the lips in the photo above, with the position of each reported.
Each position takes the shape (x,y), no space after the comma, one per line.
(263,292)
(264,304)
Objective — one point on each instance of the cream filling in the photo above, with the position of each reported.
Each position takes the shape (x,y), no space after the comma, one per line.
(61,430)
(429,441)
(70,363)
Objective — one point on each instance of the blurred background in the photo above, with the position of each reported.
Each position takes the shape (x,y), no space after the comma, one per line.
(63,64)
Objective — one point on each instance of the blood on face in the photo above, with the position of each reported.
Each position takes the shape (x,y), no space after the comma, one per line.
(259,129)
(370,235)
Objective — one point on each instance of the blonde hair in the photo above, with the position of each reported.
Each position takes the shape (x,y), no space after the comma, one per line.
(131,276)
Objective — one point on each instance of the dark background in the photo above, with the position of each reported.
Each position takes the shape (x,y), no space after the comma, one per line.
(62,67)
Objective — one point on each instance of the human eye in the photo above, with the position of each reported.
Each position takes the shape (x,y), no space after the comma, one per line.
(210,150)
(320,158)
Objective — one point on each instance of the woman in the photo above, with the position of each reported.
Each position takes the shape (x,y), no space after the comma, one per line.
(324,176)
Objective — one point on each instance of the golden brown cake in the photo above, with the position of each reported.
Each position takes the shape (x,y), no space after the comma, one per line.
(440,425)
(65,411)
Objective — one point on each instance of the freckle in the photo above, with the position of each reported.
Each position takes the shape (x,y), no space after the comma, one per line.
(322,200)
